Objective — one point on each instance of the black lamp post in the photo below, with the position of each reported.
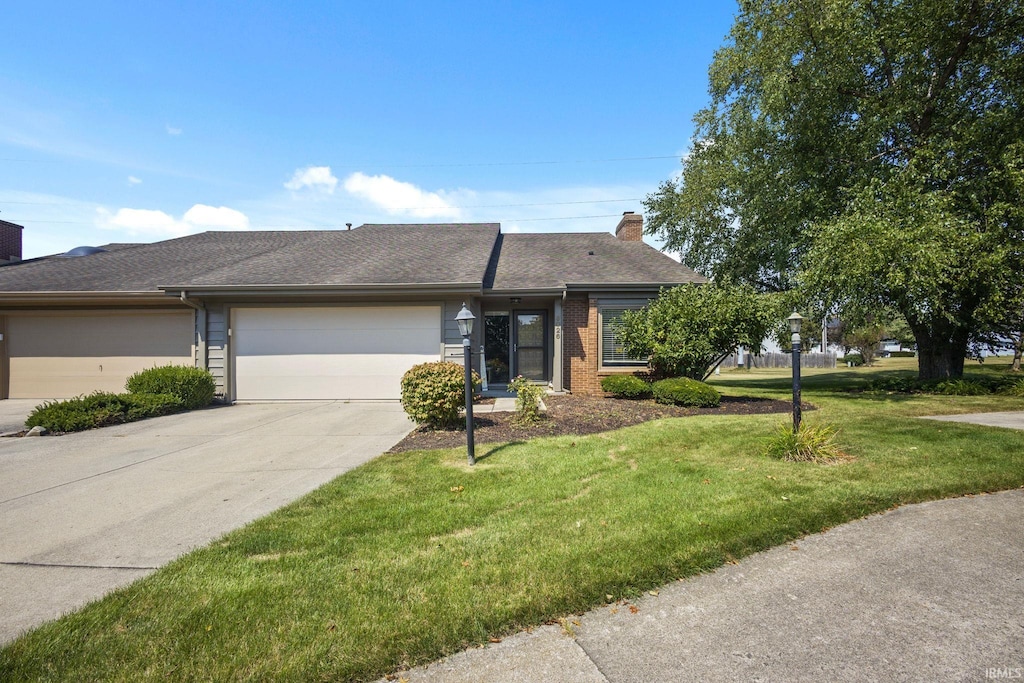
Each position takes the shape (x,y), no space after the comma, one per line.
(795,321)
(465,320)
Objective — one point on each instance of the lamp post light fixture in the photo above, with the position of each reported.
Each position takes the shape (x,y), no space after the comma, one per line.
(465,320)
(795,321)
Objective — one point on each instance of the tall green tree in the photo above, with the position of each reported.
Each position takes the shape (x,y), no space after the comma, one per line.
(868,153)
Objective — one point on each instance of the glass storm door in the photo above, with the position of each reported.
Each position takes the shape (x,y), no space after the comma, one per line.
(530,345)
(496,346)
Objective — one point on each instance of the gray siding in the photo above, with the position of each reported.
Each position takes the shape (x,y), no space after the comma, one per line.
(216,344)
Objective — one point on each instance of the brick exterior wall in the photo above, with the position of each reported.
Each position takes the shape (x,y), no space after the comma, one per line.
(10,241)
(631,227)
(581,357)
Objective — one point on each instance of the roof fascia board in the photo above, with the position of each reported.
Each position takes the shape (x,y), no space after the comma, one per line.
(84,297)
(321,290)
(536,291)
(623,286)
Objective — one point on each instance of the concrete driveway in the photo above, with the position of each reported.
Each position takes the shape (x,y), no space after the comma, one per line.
(84,513)
(13,412)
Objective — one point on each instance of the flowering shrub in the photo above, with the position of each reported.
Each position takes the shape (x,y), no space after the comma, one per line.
(433,393)
(527,400)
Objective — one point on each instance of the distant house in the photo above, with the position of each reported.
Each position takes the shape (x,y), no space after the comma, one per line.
(328,314)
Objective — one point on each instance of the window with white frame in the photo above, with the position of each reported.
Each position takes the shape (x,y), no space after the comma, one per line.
(613,353)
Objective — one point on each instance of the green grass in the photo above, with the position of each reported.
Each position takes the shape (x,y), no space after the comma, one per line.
(416,555)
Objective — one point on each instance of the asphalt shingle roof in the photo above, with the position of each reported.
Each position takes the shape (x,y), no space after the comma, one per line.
(370,254)
(373,254)
(554,260)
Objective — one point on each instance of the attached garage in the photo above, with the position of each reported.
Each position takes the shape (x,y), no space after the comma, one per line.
(352,352)
(62,355)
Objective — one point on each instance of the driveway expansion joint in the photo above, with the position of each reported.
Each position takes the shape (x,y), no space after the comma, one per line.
(59,565)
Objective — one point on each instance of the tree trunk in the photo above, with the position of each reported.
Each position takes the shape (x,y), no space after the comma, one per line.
(1017,344)
(940,351)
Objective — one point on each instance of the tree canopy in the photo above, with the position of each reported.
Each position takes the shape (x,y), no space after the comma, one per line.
(867,153)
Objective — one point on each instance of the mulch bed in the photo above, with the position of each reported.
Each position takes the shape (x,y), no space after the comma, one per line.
(578,415)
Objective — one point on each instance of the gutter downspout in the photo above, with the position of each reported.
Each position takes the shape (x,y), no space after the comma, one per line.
(200,329)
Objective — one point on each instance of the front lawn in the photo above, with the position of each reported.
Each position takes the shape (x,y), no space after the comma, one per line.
(416,555)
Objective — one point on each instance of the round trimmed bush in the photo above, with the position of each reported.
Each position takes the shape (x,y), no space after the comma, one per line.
(194,387)
(626,386)
(683,391)
(433,393)
(854,359)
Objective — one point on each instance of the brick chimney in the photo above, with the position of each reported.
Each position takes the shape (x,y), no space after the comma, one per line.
(631,227)
(10,242)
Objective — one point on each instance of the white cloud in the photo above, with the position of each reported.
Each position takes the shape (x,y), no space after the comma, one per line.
(314,177)
(220,217)
(132,180)
(173,130)
(159,224)
(397,197)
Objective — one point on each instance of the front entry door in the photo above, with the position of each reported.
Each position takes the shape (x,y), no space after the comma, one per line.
(530,345)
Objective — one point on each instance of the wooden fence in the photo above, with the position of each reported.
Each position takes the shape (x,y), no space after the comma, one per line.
(782,360)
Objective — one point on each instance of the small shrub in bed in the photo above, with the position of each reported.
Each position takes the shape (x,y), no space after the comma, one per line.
(194,386)
(853,359)
(813,443)
(100,409)
(433,393)
(683,391)
(626,386)
(528,397)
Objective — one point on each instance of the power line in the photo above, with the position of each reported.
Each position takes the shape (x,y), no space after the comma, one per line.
(409,208)
(328,227)
(367,164)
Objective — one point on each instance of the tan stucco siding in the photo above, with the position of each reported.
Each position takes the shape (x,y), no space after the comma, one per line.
(62,355)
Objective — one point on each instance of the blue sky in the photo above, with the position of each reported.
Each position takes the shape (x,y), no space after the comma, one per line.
(134,122)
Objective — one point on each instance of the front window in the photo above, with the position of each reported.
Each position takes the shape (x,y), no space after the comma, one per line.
(613,353)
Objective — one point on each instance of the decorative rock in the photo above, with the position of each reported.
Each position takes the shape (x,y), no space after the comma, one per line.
(38,430)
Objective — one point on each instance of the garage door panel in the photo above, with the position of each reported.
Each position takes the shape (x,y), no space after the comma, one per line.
(319,342)
(331,353)
(60,356)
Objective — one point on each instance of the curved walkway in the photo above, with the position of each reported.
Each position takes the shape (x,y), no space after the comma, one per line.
(929,592)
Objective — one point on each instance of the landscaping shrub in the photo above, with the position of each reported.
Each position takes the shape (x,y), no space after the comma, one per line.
(958,387)
(1015,387)
(527,400)
(100,409)
(193,386)
(902,385)
(813,443)
(683,391)
(626,386)
(854,358)
(433,393)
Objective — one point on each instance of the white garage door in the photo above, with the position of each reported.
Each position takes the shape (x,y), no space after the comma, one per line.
(60,356)
(330,353)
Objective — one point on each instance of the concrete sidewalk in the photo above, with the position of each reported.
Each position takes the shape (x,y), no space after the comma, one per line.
(929,592)
(1009,420)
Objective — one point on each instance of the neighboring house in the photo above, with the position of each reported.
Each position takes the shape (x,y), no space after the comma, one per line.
(331,314)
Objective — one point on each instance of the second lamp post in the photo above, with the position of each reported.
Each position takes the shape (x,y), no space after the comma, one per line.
(794,326)
(465,320)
